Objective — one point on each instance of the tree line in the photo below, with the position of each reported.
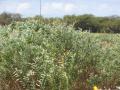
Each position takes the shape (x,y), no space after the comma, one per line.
(7,18)
(87,22)
(94,24)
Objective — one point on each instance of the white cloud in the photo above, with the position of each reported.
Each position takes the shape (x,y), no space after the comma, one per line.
(69,7)
(22,7)
(15,7)
(58,7)
(104,6)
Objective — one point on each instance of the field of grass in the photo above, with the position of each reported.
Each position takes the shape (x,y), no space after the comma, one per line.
(37,56)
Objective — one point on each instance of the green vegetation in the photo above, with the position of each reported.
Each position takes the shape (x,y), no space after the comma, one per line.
(85,22)
(95,24)
(7,18)
(57,57)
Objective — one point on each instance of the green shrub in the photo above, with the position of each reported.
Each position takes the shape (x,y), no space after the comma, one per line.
(55,57)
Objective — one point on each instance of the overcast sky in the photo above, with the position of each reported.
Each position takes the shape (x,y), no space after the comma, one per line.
(58,8)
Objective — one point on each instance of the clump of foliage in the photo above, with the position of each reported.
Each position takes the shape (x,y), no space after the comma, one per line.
(55,57)
(7,18)
(86,22)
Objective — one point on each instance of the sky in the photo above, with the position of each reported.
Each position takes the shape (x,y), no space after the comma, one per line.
(59,8)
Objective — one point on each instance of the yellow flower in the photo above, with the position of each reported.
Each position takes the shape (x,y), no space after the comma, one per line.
(95,88)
